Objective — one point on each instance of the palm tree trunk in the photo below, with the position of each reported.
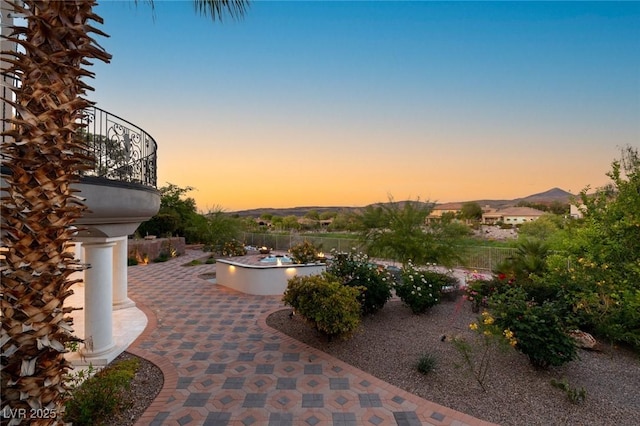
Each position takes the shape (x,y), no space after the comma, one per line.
(44,158)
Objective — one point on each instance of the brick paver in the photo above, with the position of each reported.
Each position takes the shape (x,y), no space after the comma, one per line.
(223,365)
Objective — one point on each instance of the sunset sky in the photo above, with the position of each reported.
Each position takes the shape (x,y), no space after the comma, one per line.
(333,103)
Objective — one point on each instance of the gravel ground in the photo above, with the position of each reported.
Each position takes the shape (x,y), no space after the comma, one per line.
(389,344)
(146,384)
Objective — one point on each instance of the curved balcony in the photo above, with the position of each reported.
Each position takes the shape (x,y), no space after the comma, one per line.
(120,188)
(122,151)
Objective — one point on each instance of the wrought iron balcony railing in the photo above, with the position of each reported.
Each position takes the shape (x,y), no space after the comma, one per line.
(122,151)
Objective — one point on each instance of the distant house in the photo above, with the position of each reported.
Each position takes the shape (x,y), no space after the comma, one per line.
(306,222)
(438,211)
(511,215)
(577,212)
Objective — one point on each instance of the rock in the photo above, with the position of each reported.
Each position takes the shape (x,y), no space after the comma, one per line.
(583,340)
(451,337)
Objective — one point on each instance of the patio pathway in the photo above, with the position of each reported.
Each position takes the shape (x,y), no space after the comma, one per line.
(224,366)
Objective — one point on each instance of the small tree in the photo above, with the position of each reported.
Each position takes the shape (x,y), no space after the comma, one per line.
(542,228)
(345,221)
(328,215)
(313,215)
(177,214)
(471,211)
(216,228)
(290,222)
(397,230)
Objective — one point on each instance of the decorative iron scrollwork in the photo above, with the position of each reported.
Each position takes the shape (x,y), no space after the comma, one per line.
(121,150)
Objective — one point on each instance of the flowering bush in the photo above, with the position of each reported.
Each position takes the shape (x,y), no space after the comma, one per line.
(479,289)
(421,289)
(600,300)
(490,334)
(233,248)
(540,329)
(305,252)
(329,306)
(355,270)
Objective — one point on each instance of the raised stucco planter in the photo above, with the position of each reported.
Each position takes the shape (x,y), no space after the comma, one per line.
(261,280)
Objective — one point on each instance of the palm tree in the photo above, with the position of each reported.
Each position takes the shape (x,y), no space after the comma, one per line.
(44,155)
(530,259)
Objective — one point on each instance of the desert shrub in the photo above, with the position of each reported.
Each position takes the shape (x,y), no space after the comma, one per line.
(99,396)
(305,252)
(325,303)
(168,250)
(574,395)
(426,363)
(539,327)
(421,289)
(355,270)
(162,257)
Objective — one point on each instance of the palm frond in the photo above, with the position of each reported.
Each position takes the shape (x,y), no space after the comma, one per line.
(216,9)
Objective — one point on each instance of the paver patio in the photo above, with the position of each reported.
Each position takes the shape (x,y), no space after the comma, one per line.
(223,365)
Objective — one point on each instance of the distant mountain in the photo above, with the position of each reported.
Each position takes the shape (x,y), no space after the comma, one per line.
(554,194)
(547,197)
(289,211)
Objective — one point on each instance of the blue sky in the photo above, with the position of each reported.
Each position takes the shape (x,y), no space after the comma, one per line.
(345,103)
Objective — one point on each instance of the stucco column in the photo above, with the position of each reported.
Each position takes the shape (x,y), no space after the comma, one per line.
(120,284)
(98,297)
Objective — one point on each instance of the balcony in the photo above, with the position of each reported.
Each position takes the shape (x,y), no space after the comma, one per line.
(120,188)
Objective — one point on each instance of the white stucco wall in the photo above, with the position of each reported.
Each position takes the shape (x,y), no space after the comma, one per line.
(261,280)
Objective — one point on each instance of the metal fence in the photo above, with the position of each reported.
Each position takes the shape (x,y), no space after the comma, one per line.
(284,242)
(481,258)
